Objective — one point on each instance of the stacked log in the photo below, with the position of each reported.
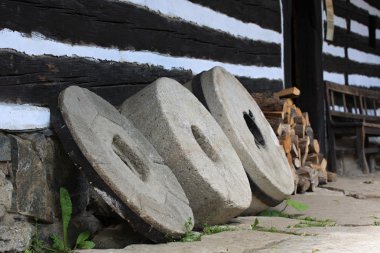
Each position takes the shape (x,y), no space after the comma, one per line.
(295,134)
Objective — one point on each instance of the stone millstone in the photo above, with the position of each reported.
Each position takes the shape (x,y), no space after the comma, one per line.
(122,165)
(251,135)
(194,147)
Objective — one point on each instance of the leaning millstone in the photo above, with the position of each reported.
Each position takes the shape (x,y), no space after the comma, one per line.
(195,148)
(251,135)
(121,165)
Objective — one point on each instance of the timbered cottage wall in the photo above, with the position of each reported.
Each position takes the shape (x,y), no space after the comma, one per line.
(353,57)
(116,47)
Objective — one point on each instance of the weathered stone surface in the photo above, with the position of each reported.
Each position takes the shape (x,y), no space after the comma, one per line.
(333,205)
(15,238)
(5,167)
(195,148)
(5,148)
(32,179)
(250,134)
(117,237)
(364,186)
(6,189)
(123,167)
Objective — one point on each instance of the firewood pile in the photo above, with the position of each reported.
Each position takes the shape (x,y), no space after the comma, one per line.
(295,134)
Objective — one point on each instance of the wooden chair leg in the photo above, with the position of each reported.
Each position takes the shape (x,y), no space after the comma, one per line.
(360,149)
(332,152)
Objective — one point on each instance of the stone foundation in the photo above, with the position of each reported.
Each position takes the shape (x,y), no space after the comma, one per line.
(33,166)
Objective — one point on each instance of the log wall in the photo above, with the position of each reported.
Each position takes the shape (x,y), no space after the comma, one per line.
(353,57)
(115,48)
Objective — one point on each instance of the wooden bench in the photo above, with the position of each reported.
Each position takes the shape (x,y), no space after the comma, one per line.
(352,111)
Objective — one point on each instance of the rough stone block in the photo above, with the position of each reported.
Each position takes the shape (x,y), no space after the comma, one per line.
(251,135)
(33,178)
(5,148)
(121,165)
(195,148)
(15,238)
(6,189)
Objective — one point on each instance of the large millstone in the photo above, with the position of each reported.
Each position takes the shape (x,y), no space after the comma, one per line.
(122,165)
(250,134)
(194,147)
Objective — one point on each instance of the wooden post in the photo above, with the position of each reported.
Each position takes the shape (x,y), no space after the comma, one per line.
(360,149)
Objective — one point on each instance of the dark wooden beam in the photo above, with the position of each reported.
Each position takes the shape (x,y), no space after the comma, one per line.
(265,13)
(126,26)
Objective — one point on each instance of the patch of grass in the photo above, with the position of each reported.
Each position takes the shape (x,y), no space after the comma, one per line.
(36,245)
(299,206)
(208,230)
(61,245)
(192,236)
(255,227)
(315,223)
(377,223)
(274,213)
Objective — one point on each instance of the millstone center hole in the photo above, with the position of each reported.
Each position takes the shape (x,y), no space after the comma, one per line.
(204,143)
(250,121)
(130,157)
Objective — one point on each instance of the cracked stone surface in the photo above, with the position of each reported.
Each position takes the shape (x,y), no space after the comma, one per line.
(336,206)
(354,231)
(366,186)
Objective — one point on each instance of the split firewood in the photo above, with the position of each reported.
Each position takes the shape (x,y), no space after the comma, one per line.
(314,146)
(296,162)
(300,130)
(311,174)
(294,151)
(295,134)
(286,129)
(299,120)
(293,111)
(276,124)
(271,103)
(303,184)
(274,114)
(324,164)
(304,142)
(295,140)
(313,158)
(298,111)
(292,92)
(322,177)
(306,116)
(286,142)
(331,176)
(309,132)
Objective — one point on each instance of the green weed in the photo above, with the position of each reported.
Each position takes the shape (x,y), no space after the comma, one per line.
(255,227)
(191,236)
(61,245)
(208,230)
(315,223)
